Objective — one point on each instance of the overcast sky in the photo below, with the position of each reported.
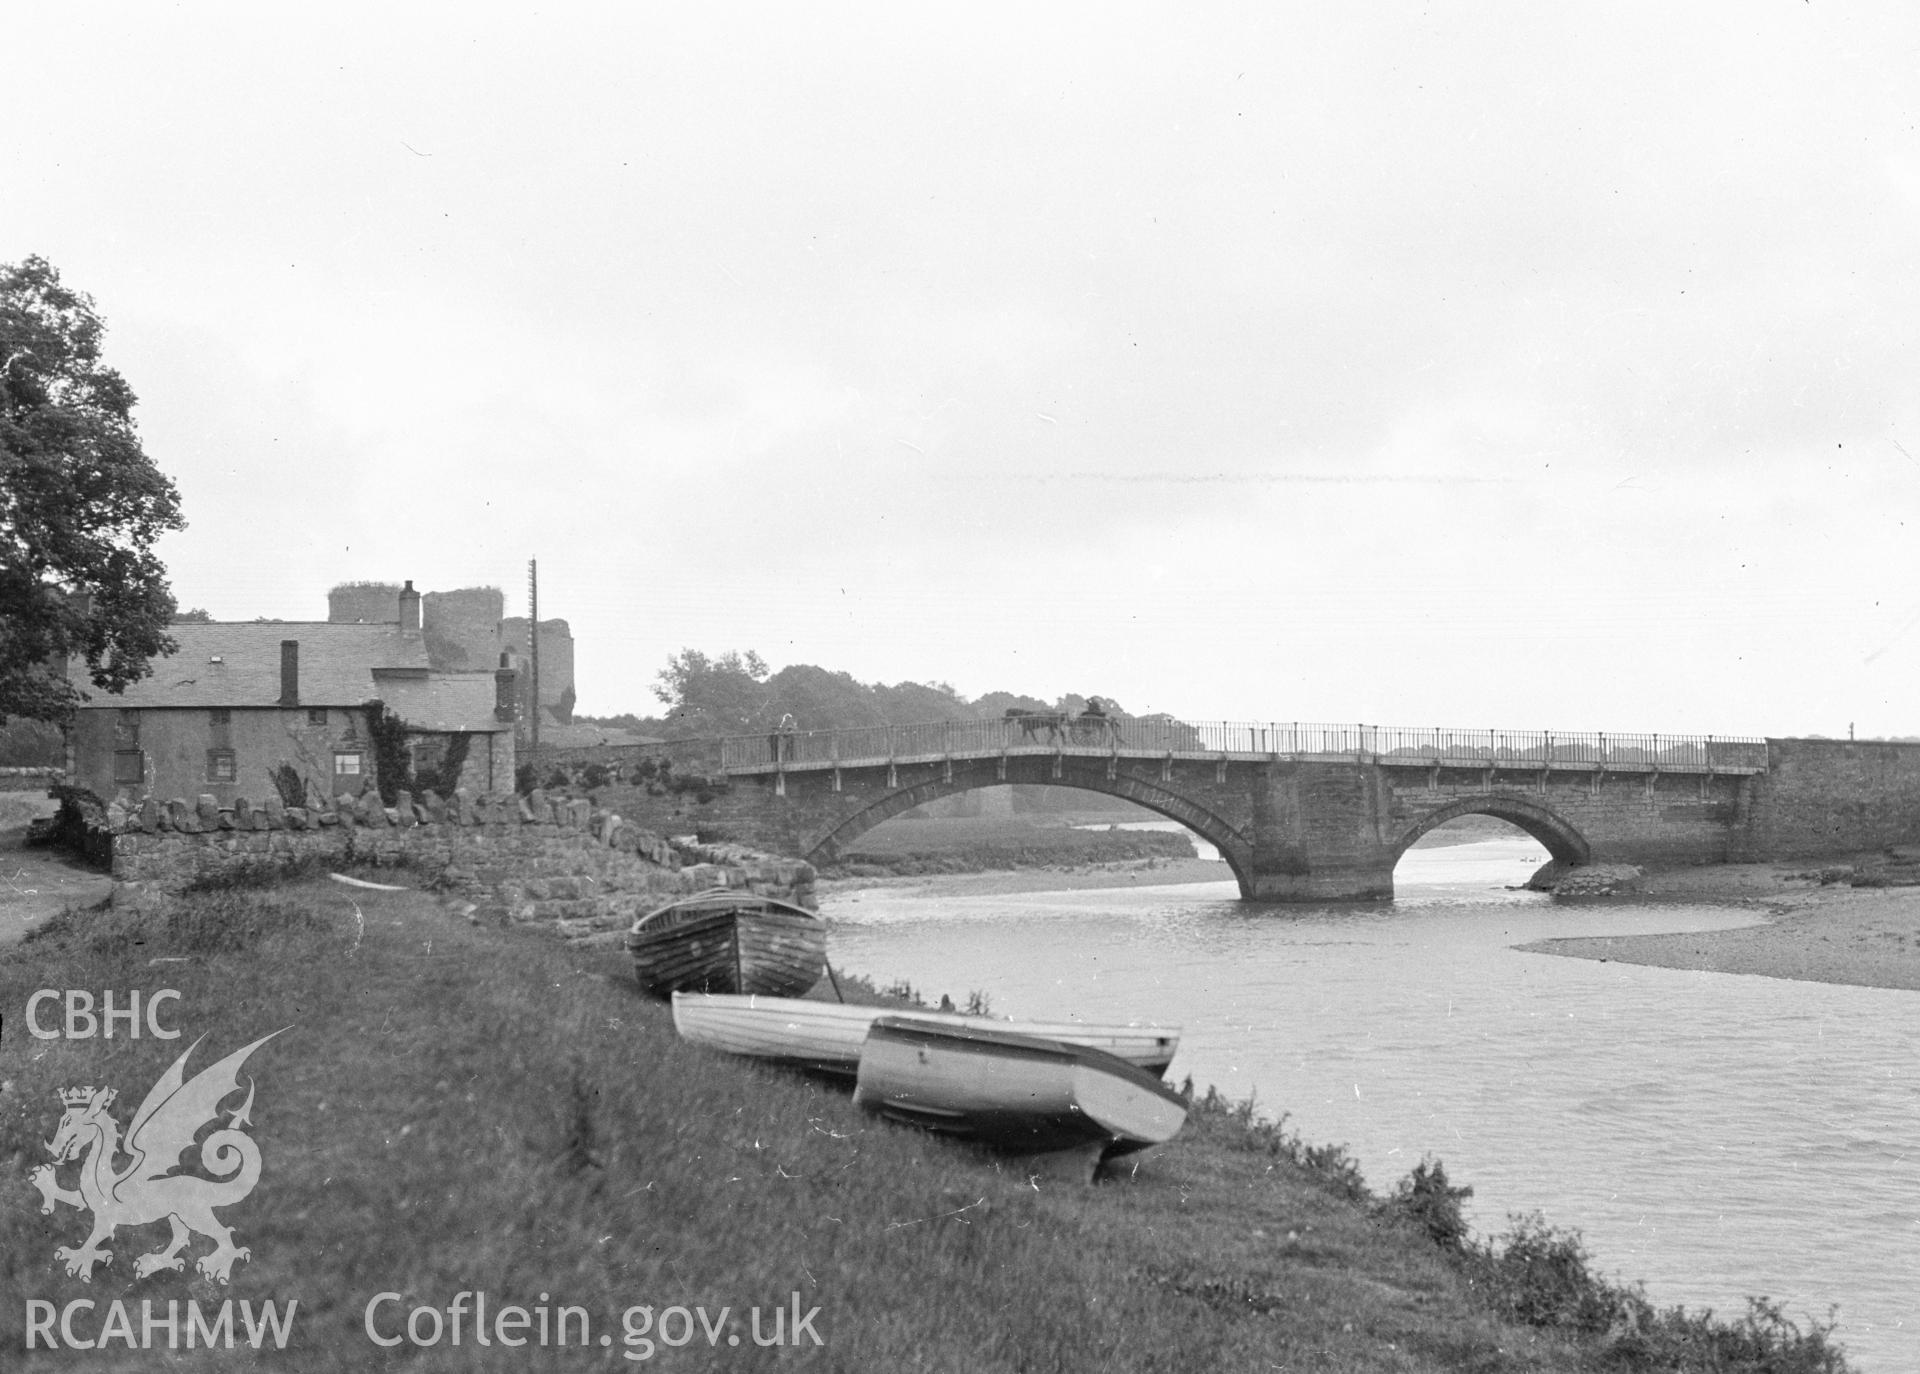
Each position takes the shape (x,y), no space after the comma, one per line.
(1490,364)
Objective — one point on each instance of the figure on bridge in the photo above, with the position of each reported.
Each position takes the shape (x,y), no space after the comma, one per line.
(1094,725)
(781,740)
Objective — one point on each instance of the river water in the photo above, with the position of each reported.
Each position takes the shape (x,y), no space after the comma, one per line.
(1711,1135)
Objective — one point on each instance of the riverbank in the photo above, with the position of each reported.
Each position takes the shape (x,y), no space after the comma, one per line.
(984,844)
(1803,929)
(543,1138)
(1153,872)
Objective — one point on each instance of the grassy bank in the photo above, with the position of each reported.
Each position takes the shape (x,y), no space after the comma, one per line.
(454,1108)
(985,844)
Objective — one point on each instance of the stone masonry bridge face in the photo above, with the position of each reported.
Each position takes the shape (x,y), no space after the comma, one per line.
(1294,824)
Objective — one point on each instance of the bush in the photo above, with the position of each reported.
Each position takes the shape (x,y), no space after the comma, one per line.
(1425,1198)
(1539,1276)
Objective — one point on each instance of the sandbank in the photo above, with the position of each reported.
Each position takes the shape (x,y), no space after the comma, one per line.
(1863,937)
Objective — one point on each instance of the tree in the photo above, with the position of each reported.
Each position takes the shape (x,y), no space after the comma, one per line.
(193,615)
(707,697)
(81,505)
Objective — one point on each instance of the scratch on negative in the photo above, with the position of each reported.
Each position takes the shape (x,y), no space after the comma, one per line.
(977,1202)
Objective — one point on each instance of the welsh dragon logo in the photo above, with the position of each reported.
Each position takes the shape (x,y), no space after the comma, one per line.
(148,1190)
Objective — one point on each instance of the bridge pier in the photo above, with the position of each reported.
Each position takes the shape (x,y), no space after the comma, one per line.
(1327,883)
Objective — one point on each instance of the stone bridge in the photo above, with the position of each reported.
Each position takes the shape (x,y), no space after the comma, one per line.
(1299,812)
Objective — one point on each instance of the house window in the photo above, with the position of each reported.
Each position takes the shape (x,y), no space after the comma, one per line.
(316,715)
(220,766)
(126,730)
(220,715)
(129,767)
(346,765)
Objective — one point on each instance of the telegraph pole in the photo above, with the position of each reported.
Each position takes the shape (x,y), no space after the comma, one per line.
(533,650)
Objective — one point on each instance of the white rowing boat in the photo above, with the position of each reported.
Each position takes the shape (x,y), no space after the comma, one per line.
(827,1036)
(1013,1092)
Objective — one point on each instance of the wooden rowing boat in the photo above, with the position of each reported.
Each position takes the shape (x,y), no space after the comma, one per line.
(1013,1092)
(827,1036)
(728,942)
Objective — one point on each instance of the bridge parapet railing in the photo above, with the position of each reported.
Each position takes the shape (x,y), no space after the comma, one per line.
(1042,732)
(1693,753)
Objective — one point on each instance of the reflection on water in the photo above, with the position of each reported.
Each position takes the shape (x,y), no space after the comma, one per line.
(1714,1135)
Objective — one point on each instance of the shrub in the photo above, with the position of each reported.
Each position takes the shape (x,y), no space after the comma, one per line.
(1425,1198)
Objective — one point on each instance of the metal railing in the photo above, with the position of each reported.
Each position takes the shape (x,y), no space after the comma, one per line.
(1163,735)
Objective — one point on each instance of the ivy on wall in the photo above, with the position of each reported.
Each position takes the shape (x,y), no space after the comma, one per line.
(445,778)
(393,758)
(289,784)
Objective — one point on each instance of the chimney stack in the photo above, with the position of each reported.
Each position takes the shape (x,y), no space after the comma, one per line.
(409,607)
(503,690)
(289,672)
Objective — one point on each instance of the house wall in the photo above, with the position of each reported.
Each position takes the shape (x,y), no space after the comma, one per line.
(174,743)
(489,763)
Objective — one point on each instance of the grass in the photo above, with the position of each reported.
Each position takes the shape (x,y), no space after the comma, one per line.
(18,808)
(459,1108)
(982,844)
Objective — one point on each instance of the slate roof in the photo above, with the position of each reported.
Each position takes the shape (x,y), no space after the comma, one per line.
(453,702)
(336,664)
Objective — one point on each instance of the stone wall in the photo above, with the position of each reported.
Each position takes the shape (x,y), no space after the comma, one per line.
(556,662)
(369,603)
(30,779)
(580,870)
(462,627)
(1826,798)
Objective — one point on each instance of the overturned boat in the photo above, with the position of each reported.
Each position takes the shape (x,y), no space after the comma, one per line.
(1012,1091)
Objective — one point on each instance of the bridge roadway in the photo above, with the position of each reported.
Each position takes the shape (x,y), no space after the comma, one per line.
(1300,812)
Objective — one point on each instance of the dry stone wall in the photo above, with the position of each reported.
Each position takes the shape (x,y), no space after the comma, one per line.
(559,862)
(30,779)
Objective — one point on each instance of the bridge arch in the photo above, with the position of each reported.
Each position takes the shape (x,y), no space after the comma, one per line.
(1235,848)
(1563,842)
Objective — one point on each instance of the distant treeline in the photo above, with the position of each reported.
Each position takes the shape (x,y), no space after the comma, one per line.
(737,694)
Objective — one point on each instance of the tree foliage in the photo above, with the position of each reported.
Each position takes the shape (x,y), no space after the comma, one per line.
(706,697)
(736,694)
(81,505)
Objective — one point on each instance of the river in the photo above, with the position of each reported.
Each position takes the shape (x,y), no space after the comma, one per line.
(1712,1135)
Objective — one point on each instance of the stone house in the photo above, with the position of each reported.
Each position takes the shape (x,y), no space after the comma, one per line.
(243,709)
